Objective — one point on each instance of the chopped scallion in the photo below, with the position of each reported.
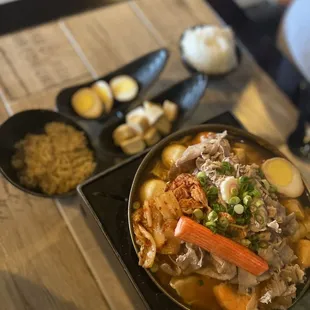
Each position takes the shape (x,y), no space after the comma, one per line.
(226,168)
(223,222)
(245,242)
(202,177)
(198,214)
(234,200)
(212,216)
(136,205)
(247,200)
(218,207)
(239,209)
(266,184)
(263,244)
(240,221)
(256,193)
(243,180)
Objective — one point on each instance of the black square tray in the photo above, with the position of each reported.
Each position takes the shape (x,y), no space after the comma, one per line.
(105,205)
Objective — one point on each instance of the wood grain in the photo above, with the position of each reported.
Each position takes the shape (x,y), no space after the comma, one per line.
(46,99)
(37,59)
(40,265)
(3,112)
(171,18)
(111,37)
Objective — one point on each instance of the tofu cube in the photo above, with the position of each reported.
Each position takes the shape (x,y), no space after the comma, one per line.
(151,136)
(122,133)
(133,146)
(139,111)
(170,110)
(152,111)
(163,125)
(139,123)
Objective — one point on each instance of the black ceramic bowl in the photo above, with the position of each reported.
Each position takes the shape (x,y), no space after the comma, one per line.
(15,129)
(234,134)
(191,69)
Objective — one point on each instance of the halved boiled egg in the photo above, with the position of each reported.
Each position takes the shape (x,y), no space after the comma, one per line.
(104,92)
(124,88)
(284,176)
(86,103)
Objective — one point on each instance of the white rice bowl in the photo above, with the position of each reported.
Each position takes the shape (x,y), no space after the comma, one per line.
(210,49)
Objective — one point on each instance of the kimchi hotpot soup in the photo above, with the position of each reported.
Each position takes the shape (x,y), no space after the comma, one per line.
(219,220)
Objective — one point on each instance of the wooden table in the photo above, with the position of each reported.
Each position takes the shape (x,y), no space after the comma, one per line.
(48,256)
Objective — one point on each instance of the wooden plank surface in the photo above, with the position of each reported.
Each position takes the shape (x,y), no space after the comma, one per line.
(37,59)
(110,37)
(45,99)
(50,260)
(40,264)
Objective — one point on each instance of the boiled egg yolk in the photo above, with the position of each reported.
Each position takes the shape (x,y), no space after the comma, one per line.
(284,176)
(124,88)
(86,103)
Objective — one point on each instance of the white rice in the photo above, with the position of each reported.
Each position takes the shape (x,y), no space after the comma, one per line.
(210,49)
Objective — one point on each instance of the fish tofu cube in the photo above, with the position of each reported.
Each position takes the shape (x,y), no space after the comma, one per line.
(170,110)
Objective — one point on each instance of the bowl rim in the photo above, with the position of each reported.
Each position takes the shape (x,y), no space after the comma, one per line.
(74,124)
(177,135)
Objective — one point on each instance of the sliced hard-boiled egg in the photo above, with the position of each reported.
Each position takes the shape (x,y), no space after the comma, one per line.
(124,88)
(284,176)
(104,92)
(86,103)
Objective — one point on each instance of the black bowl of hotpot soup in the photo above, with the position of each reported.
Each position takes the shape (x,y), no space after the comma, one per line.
(219,220)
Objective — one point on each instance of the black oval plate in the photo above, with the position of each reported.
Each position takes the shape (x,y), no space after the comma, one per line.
(145,70)
(191,69)
(186,94)
(15,129)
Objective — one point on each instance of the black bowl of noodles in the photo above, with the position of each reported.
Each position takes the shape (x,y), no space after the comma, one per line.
(45,153)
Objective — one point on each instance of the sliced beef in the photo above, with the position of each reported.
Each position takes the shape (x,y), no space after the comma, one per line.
(286,253)
(171,270)
(290,225)
(293,273)
(271,255)
(184,168)
(246,281)
(259,221)
(190,258)
(280,210)
(213,147)
(217,268)
(277,255)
